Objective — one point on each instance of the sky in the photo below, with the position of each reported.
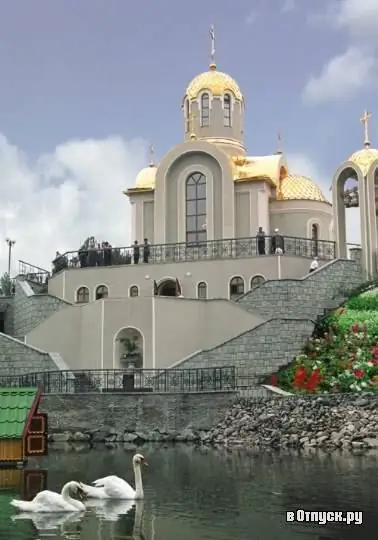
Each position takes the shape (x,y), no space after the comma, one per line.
(87,87)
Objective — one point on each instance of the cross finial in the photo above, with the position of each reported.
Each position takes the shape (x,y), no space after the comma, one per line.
(279,139)
(212,53)
(365,120)
(152,155)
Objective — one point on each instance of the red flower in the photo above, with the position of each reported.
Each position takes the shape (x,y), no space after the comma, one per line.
(274,380)
(375,361)
(359,373)
(299,377)
(313,380)
(355,328)
(374,351)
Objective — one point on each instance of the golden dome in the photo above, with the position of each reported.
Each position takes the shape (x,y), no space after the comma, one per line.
(364,158)
(250,168)
(296,187)
(146,178)
(216,82)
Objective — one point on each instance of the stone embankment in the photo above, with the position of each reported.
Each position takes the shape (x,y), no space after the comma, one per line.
(346,421)
(337,421)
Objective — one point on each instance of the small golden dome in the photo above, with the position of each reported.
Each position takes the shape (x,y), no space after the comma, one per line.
(146,178)
(300,188)
(364,158)
(216,82)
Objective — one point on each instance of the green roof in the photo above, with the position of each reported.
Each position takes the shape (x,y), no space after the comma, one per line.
(15,405)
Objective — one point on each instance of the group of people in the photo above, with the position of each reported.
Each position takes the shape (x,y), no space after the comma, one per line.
(277,242)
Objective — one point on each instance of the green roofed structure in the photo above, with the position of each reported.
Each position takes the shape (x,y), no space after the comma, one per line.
(23,430)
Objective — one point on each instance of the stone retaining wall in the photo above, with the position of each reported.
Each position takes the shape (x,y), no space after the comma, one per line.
(131,417)
(17,358)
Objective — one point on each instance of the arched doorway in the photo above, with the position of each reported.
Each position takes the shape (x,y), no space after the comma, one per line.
(128,349)
(169,287)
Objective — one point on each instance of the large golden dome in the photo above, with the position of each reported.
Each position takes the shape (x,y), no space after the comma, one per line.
(364,158)
(296,187)
(146,178)
(216,82)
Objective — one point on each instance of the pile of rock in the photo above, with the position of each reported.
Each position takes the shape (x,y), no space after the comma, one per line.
(327,421)
(135,437)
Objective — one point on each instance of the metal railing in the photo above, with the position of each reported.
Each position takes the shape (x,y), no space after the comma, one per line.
(33,273)
(184,252)
(138,380)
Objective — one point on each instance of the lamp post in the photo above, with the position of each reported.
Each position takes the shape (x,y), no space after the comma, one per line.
(10,243)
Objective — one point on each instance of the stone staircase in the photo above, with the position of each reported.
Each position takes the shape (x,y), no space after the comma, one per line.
(290,308)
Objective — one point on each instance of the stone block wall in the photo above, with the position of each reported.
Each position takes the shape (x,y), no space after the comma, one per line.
(16,358)
(31,310)
(305,298)
(257,352)
(134,412)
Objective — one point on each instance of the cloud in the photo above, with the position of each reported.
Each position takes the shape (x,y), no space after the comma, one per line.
(346,74)
(342,76)
(251,18)
(57,201)
(288,5)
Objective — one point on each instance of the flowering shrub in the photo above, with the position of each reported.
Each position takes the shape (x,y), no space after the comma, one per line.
(344,359)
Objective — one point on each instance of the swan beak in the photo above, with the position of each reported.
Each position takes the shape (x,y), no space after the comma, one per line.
(145,463)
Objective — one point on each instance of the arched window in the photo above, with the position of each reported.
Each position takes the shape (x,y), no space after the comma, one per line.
(187,116)
(102,292)
(256,281)
(134,291)
(82,295)
(195,195)
(227,110)
(202,290)
(236,286)
(314,239)
(205,110)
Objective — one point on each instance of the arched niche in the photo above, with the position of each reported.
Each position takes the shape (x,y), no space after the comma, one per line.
(129,348)
(169,287)
(348,191)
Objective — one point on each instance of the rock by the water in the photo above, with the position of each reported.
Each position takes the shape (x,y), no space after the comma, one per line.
(329,421)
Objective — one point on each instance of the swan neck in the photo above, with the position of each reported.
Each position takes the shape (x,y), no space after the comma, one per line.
(66,491)
(138,482)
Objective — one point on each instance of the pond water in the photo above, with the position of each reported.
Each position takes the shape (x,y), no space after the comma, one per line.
(191,493)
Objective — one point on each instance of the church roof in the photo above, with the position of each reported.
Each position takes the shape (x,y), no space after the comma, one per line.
(364,158)
(146,178)
(214,81)
(297,187)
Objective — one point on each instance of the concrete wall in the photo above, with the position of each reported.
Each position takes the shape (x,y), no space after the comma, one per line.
(295,218)
(217,274)
(32,309)
(131,412)
(171,329)
(17,358)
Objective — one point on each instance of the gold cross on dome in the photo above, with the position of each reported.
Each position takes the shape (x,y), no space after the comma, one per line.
(212,37)
(365,121)
(279,139)
(152,155)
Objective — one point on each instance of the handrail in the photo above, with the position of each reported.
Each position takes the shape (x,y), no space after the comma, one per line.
(187,252)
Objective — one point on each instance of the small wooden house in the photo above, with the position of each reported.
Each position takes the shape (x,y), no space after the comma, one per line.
(23,430)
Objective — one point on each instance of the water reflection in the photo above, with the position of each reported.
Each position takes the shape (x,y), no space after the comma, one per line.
(212,494)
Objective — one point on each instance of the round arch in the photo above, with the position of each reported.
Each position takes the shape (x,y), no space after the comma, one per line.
(236,287)
(347,171)
(256,281)
(169,287)
(128,348)
(82,295)
(101,291)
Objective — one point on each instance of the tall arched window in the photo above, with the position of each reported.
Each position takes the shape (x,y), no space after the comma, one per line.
(82,295)
(202,290)
(227,110)
(187,116)
(236,287)
(205,110)
(195,200)
(315,239)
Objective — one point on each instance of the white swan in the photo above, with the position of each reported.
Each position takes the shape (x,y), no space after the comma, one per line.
(49,501)
(113,487)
